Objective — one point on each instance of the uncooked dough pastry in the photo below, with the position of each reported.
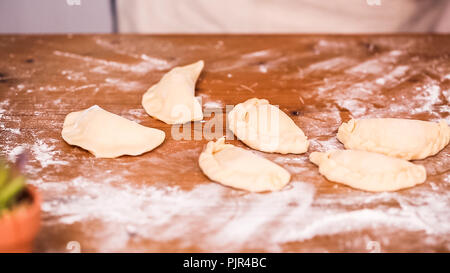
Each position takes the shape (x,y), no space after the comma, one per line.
(368,171)
(266,128)
(172,99)
(239,168)
(402,138)
(107,135)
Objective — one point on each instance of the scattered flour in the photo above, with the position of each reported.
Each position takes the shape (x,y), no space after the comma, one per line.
(15,152)
(3,104)
(334,63)
(124,85)
(213,104)
(141,68)
(158,64)
(355,107)
(73,76)
(263,68)
(380,81)
(396,53)
(45,154)
(397,73)
(375,65)
(260,53)
(12,130)
(216,218)
(135,115)
(428,97)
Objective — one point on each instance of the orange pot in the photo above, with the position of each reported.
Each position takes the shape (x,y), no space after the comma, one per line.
(19,227)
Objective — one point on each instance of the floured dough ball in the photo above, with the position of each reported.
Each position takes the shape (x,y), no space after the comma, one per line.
(107,135)
(266,128)
(402,138)
(172,99)
(238,168)
(368,171)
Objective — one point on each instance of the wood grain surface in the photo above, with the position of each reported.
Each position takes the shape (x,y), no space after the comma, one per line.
(161,202)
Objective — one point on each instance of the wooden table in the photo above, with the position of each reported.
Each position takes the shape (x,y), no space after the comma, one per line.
(161,201)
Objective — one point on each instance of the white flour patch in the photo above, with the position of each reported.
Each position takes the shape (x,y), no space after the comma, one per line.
(291,160)
(262,68)
(57,102)
(396,53)
(140,68)
(135,115)
(329,44)
(355,107)
(157,63)
(73,76)
(160,64)
(15,152)
(140,113)
(325,145)
(361,89)
(213,104)
(168,213)
(50,88)
(72,88)
(45,154)
(216,218)
(12,130)
(124,85)
(3,104)
(330,64)
(99,70)
(78,88)
(273,58)
(380,81)
(397,73)
(257,54)
(293,169)
(375,65)
(428,97)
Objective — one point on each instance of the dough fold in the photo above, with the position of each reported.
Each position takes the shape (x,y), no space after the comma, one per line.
(403,138)
(107,135)
(368,171)
(172,100)
(239,168)
(266,128)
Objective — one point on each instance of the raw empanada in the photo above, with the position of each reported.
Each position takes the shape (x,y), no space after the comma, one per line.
(402,138)
(239,168)
(368,171)
(107,135)
(172,99)
(266,128)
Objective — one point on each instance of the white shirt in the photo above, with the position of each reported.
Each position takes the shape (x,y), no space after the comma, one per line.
(282,16)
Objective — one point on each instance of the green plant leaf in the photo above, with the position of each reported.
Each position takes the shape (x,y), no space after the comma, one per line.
(4,173)
(10,190)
